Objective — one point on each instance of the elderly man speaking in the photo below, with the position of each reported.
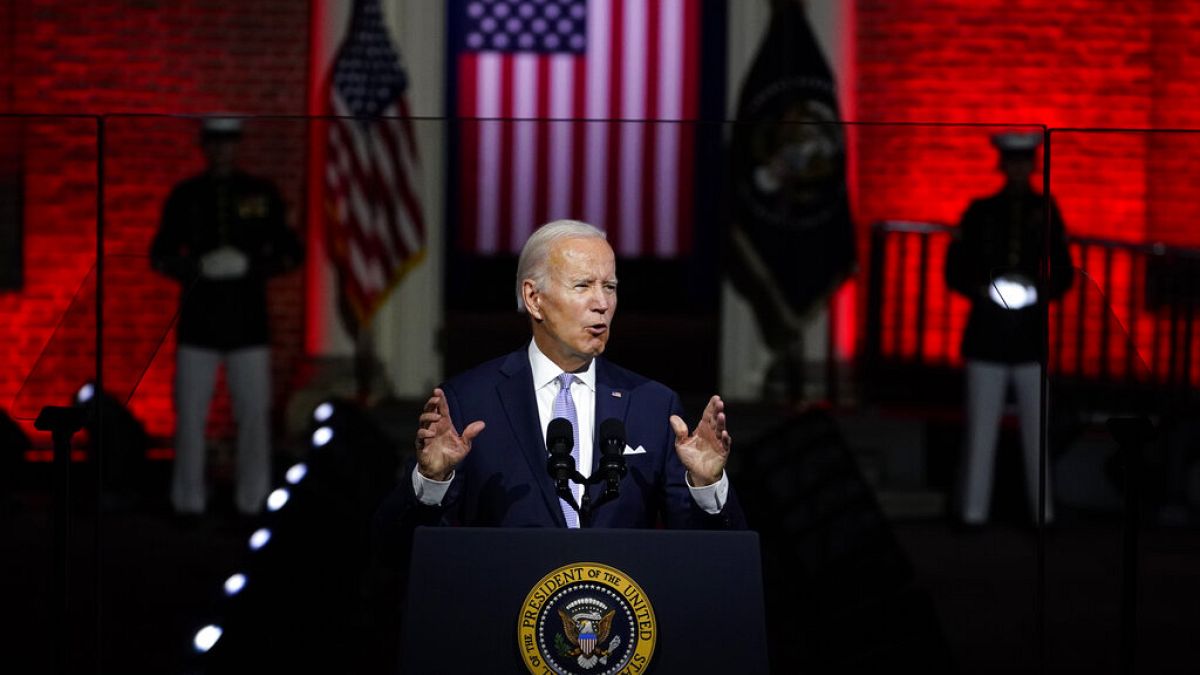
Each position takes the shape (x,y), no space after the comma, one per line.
(481,449)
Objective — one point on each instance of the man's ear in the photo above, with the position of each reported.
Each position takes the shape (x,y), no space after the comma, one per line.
(529,293)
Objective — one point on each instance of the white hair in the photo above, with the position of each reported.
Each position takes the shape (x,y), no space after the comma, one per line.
(534,255)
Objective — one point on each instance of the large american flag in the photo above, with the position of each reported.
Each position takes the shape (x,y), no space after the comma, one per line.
(377,232)
(537,61)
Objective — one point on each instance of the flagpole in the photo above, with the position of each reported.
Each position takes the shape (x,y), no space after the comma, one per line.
(377,230)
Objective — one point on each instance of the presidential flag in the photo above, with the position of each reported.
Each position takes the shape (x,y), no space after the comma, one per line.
(789,170)
(536,85)
(377,231)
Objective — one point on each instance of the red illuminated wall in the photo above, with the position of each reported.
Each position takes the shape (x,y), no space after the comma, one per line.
(115,56)
(1079,64)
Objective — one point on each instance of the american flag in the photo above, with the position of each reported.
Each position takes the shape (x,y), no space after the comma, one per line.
(377,232)
(538,61)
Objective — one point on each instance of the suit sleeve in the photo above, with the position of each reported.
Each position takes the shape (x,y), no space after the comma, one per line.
(401,513)
(963,271)
(169,252)
(680,509)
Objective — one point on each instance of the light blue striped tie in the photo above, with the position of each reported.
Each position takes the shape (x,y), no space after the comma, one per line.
(564,407)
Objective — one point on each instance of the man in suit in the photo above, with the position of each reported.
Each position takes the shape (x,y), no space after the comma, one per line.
(481,449)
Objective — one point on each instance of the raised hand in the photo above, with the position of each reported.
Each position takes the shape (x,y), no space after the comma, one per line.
(704,451)
(439,447)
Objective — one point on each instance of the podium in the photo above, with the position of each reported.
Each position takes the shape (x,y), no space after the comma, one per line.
(502,600)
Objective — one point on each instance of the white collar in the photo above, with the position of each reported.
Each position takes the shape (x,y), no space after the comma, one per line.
(546,371)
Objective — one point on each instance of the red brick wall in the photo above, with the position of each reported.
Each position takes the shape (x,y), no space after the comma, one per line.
(1079,63)
(1082,64)
(1174,209)
(144,58)
(1004,62)
(6,55)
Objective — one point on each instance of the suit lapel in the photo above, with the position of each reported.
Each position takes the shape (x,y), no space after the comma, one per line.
(612,400)
(520,405)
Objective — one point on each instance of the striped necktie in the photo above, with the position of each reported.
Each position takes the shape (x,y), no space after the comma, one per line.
(564,407)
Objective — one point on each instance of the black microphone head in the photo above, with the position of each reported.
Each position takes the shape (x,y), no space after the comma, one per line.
(560,436)
(612,436)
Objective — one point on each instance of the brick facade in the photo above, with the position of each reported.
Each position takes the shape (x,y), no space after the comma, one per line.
(1084,65)
(138,58)
(1076,64)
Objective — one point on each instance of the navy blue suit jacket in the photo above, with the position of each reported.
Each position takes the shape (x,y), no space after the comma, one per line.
(503,481)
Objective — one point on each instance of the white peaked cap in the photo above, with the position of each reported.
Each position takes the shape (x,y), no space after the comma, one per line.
(1017,141)
(221,126)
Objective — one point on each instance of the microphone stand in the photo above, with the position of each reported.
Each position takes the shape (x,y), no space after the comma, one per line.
(611,491)
(563,470)
(62,423)
(563,488)
(612,466)
(585,506)
(610,475)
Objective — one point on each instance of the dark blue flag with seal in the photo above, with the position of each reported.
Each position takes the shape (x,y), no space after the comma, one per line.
(792,236)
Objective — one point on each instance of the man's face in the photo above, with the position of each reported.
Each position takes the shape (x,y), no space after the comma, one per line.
(1017,168)
(220,153)
(572,312)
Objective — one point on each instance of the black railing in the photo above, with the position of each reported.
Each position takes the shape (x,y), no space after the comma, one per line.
(1126,329)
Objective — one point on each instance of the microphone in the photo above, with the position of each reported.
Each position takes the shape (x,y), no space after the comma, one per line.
(560,438)
(612,458)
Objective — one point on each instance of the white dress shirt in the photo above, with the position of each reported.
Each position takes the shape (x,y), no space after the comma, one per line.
(583,393)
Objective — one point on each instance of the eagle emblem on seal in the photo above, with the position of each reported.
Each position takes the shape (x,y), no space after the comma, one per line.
(586,618)
(586,631)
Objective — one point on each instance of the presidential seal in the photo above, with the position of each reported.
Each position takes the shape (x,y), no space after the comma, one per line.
(586,619)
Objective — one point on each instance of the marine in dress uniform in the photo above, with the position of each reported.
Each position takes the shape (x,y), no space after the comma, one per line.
(223,234)
(993,261)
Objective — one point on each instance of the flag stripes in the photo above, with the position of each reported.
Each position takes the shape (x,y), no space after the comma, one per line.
(585,129)
(377,230)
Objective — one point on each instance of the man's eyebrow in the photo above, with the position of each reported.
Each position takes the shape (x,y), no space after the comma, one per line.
(591,280)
